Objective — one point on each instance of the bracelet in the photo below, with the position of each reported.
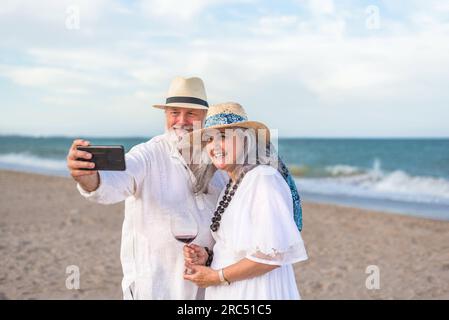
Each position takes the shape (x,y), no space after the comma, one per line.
(210,256)
(223,280)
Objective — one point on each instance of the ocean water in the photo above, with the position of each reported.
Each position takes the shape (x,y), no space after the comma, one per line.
(407,176)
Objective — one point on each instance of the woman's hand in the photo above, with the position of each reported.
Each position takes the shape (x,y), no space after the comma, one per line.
(194,254)
(202,276)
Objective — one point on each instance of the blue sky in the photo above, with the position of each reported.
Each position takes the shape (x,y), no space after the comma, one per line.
(318,68)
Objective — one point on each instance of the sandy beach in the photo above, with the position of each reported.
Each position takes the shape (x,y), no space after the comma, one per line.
(46,226)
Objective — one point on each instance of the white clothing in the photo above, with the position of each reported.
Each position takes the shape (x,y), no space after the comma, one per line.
(156,184)
(258,225)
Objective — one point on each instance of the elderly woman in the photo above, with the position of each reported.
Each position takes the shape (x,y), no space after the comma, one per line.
(257,240)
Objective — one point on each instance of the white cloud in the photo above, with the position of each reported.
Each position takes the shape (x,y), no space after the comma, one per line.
(57,79)
(60,100)
(273,25)
(82,59)
(174,10)
(319,7)
(148,75)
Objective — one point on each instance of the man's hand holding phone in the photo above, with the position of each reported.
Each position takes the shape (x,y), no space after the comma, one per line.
(88,179)
(85,160)
(75,160)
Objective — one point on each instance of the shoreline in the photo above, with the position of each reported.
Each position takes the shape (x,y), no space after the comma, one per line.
(46,226)
(430,211)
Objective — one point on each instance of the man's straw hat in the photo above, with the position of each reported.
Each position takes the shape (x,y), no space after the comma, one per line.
(186,93)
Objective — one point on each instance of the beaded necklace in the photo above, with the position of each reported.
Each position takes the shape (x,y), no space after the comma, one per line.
(224,203)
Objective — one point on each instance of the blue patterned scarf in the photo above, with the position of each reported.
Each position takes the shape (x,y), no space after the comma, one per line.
(297,205)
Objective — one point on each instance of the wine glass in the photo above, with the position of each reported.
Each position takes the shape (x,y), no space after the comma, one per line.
(184,228)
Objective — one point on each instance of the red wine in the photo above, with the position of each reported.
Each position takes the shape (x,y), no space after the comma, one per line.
(185,238)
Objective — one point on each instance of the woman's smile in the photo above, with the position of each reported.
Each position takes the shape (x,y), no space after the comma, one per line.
(218,155)
(219,158)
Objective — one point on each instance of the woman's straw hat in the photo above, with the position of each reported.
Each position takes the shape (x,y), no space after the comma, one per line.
(229,115)
(186,93)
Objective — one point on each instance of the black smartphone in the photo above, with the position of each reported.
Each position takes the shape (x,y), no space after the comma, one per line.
(110,158)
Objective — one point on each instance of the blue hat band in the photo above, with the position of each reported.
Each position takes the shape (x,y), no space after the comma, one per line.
(220,119)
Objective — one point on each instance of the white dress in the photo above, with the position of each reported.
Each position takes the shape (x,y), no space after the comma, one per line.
(258,225)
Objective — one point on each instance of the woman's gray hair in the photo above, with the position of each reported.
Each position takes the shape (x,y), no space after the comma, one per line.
(256,152)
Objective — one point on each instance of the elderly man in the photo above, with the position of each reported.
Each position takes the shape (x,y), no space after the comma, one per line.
(156,184)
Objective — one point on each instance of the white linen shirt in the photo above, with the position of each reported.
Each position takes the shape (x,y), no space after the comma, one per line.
(156,184)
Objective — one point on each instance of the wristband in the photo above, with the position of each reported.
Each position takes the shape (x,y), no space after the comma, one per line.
(222,278)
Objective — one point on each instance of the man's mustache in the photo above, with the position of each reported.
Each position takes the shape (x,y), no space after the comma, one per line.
(183,127)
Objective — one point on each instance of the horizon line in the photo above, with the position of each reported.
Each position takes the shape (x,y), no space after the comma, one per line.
(151,136)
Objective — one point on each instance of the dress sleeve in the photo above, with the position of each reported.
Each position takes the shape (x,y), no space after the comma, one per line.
(116,186)
(270,235)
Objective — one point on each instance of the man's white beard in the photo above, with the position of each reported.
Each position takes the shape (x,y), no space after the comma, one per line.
(178,132)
